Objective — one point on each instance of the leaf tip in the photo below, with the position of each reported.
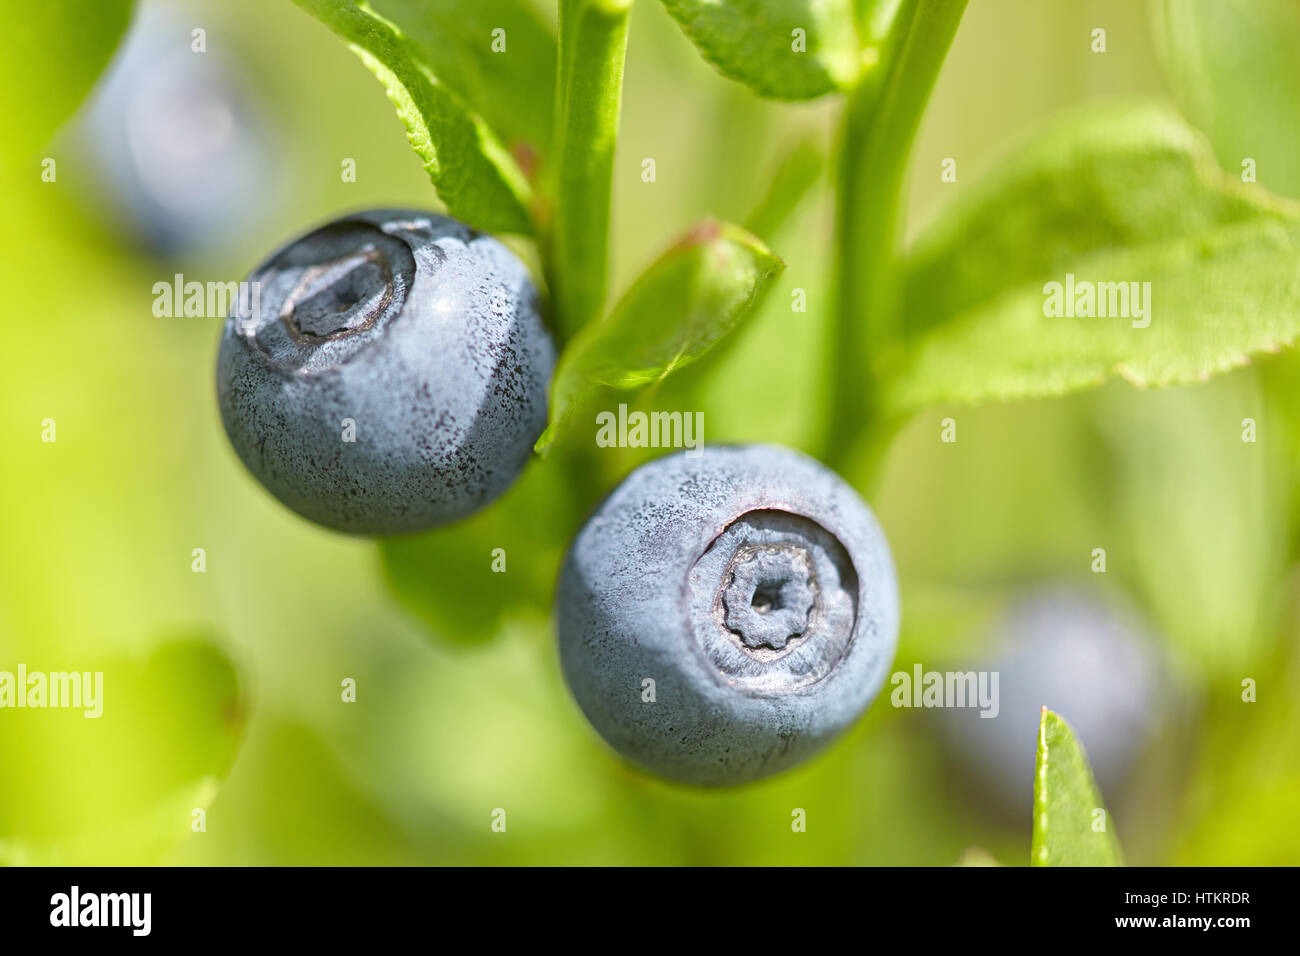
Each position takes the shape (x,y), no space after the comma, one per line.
(702,233)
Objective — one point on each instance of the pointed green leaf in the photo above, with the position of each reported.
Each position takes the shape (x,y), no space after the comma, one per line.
(693,296)
(1234,67)
(781,49)
(472,171)
(1119,195)
(497,55)
(1071,825)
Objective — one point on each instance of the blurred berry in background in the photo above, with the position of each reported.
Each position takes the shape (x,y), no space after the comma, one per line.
(179,144)
(1085,656)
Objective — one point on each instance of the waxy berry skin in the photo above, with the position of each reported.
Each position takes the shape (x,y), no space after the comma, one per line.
(394,376)
(756,591)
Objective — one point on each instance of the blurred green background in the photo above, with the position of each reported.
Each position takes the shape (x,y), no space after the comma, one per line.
(98,528)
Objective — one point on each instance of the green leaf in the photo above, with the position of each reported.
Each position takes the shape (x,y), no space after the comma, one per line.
(693,296)
(1120,195)
(120,787)
(756,43)
(1066,803)
(473,173)
(51,53)
(1234,67)
(458,584)
(507,77)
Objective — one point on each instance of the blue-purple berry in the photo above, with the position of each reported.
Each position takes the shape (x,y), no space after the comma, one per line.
(724,617)
(393,377)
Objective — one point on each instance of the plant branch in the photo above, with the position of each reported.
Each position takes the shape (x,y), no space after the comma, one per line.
(589,92)
(880,122)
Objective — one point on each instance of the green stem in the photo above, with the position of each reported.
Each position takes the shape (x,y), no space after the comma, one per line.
(880,122)
(589,92)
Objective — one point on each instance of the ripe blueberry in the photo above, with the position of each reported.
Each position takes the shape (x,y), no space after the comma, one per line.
(1090,660)
(722,618)
(393,376)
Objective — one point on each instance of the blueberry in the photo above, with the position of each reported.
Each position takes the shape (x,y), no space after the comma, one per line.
(752,587)
(1089,659)
(394,375)
(177,142)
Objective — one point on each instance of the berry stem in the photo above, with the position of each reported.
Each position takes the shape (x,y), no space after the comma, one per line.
(879,125)
(589,92)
